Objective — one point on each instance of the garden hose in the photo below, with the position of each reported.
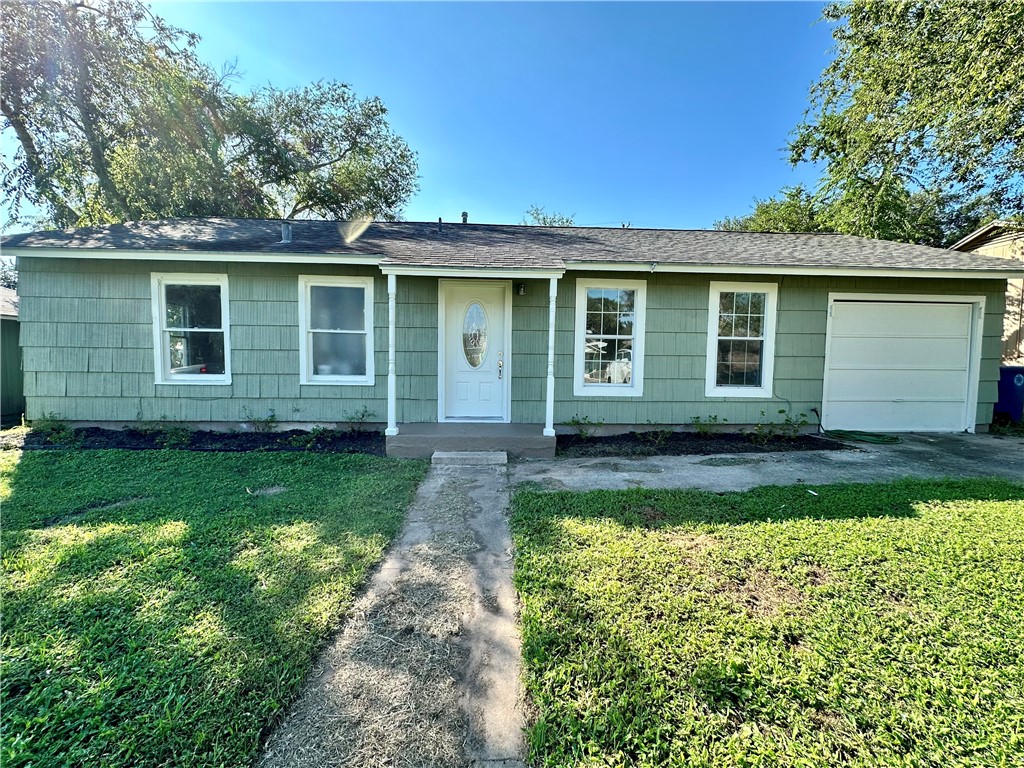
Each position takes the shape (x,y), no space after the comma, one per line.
(861,437)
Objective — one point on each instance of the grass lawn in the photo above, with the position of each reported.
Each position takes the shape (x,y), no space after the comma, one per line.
(163,607)
(861,625)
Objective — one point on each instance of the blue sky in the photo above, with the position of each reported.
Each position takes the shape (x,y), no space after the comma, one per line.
(657,114)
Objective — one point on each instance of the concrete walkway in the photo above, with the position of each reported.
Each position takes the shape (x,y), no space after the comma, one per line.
(426,670)
(926,456)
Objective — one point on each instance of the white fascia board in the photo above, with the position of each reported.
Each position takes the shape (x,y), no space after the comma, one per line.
(506,273)
(251,257)
(757,269)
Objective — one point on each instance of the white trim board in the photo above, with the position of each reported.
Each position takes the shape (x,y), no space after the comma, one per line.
(250,257)
(977,332)
(760,269)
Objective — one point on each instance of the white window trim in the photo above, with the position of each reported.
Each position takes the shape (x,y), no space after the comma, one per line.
(768,359)
(305,337)
(161,351)
(636,387)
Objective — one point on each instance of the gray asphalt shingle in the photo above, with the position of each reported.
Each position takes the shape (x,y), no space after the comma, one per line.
(423,244)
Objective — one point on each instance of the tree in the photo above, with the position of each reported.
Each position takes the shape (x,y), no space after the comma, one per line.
(8,274)
(923,217)
(794,211)
(538,217)
(922,96)
(116,119)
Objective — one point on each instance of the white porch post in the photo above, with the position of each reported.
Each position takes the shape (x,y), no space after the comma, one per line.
(549,409)
(392,428)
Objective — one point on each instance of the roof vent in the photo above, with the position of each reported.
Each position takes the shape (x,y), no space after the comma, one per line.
(286,231)
(465,218)
(438,223)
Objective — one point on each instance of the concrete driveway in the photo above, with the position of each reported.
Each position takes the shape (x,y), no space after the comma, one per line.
(918,455)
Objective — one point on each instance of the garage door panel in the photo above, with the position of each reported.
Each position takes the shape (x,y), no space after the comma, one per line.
(875,385)
(898,366)
(896,417)
(887,319)
(854,352)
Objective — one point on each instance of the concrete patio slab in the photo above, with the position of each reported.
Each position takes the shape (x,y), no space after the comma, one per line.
(918,455)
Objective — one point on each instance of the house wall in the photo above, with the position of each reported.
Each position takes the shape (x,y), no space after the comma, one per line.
(12,401)
(88,346)
(1010,245)
(87,340)
(676,344)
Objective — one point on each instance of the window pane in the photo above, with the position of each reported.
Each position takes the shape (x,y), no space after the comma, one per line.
(725,324)
(192,306)
(474,335)
(757,303)
(608,361)
(739,364)
(337,309)
(610,324)
(727,302)
(755,326)
(742,303)
(339,354)
(740,328)
(196,352)
(625,325)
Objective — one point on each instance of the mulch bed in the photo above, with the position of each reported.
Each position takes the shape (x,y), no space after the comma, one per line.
(687,444)
(635,444)
(326,441)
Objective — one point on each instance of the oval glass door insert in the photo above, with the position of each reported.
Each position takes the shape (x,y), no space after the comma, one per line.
(474,335)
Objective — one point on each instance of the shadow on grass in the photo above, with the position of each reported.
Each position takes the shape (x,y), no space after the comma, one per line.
(158,610)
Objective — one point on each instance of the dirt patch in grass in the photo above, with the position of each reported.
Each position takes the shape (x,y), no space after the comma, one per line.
(687,444)
(761,593)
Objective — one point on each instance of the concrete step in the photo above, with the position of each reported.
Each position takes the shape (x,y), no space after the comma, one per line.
(469,457)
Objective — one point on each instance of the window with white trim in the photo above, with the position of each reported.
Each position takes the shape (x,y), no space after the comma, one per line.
(608,356)
(336,327)
(190,329)
(741,339)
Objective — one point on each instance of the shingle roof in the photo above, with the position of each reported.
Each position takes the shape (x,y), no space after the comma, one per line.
(423,244)
(8,302)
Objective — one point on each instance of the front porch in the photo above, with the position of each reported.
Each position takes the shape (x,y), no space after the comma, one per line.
(415,441)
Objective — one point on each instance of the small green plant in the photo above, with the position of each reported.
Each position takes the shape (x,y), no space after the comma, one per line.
(57,431)
(585,428)
(358,419)
(707,427)
(168,434)
(655,437)
(313,439)
(787,429)
(262,425)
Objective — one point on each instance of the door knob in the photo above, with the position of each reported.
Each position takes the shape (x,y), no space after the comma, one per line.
(501,365)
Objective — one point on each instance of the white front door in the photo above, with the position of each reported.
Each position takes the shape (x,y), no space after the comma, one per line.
(474,352)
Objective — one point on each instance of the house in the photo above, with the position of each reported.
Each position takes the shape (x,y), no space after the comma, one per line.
(469,335)
(1004,239)
(12,401)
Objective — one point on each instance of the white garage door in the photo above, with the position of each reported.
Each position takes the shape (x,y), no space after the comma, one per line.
(898,367)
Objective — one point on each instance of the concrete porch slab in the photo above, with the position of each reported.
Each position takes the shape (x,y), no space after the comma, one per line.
(420,441)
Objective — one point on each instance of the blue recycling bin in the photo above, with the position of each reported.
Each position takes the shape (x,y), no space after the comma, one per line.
(1011,393)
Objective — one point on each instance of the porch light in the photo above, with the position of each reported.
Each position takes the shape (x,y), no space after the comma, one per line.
(521,289)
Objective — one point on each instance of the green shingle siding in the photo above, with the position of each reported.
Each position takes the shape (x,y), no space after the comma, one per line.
(87,340)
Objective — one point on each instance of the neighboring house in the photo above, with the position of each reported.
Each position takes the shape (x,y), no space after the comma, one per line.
(1004,239)
(12,401)
(461,335)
